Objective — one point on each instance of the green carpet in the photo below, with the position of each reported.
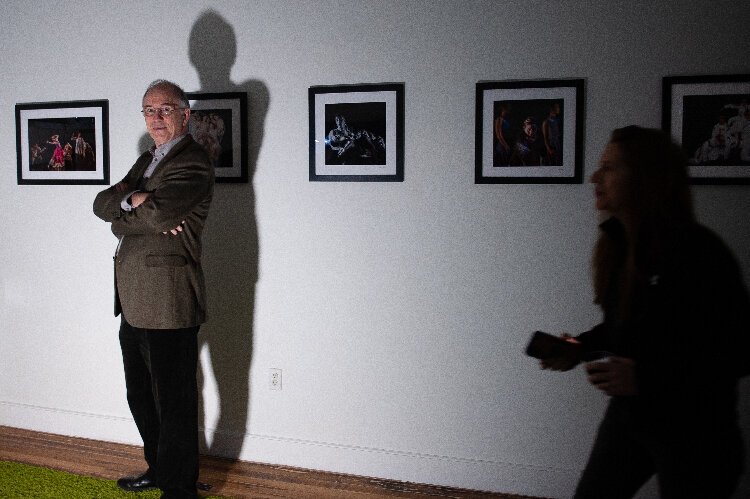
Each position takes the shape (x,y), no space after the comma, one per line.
(24,481)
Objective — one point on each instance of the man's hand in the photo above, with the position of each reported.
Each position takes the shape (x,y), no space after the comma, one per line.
(176,230)
(138,198)
(615,377)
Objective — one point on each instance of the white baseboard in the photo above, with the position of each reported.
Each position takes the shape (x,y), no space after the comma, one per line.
(476,474)
(73,423)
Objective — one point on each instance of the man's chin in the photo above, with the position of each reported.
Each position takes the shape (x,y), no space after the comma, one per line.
(159,138)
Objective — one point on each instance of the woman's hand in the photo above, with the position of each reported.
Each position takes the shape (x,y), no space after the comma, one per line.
(615,377)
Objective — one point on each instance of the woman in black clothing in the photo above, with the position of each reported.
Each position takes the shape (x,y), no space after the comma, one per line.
(676,326)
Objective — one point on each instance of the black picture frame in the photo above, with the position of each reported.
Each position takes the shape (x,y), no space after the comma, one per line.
(706,115)
(357,133)
(515,107)
(64,142)
(218,121)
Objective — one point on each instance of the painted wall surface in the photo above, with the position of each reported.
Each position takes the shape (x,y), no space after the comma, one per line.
(397,312)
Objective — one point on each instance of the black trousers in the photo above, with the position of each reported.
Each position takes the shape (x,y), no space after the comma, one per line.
(160,378)
(696,461)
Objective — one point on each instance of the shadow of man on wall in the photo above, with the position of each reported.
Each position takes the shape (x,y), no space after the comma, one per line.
(230,251)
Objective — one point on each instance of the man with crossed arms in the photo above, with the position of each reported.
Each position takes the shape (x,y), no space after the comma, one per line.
(157,212)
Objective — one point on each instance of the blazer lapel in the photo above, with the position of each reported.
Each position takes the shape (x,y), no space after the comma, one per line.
(176,149)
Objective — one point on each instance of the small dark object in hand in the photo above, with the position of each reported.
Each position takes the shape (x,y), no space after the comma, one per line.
(547,346)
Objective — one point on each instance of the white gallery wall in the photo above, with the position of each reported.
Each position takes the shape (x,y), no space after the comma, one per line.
(397,312)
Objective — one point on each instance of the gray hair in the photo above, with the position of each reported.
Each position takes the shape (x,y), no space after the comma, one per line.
(171,87)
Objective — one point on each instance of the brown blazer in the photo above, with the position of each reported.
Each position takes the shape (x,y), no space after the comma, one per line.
(159,282)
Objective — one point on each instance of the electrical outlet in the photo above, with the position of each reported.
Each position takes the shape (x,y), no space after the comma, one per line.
(274,379)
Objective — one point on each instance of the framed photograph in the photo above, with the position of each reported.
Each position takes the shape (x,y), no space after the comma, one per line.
(218,121)
(529,132)
(710,117)
(357,133)
(63,142)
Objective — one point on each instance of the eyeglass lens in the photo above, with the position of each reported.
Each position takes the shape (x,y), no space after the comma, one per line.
(163,110)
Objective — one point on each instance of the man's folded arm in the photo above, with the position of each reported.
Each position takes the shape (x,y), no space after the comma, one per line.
(180,191)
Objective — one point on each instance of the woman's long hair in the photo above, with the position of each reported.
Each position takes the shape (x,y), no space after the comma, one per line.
(659,208)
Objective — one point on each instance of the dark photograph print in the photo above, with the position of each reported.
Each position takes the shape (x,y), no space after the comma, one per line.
(62,142)
(529,131)
(218,122)
(710,117)
(212,128)
(357,133)
(713,129)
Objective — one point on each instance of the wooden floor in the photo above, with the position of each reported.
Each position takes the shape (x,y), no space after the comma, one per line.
(238,479)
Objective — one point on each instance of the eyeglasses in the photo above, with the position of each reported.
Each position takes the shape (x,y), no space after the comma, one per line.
(167,110)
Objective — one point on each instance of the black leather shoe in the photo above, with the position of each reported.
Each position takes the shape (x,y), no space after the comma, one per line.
(137,484)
